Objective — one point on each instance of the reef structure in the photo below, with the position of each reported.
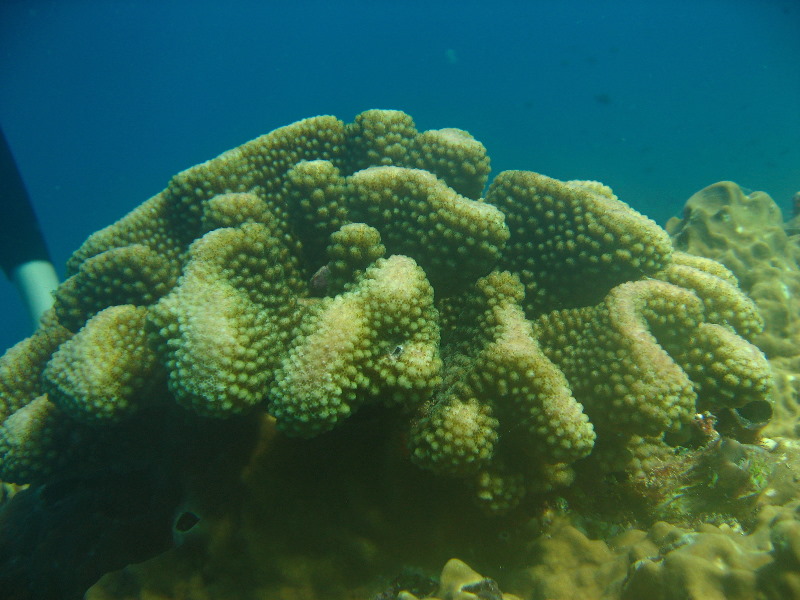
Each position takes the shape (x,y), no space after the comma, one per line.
(325,267)
(746,232)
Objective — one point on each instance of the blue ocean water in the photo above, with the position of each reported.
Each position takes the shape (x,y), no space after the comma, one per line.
(102,101)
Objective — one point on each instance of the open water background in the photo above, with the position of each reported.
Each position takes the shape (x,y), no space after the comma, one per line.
(103,101)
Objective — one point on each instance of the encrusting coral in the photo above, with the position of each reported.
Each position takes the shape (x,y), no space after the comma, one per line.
(459,582)
(328,266)
(746,233)
(669,562)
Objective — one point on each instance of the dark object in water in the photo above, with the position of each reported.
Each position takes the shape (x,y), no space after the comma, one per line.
(23,253)
(58,539)
(410,580)
(121,500)
(485,589)
(320,281)
(186,521)
(21,239)
(602,98)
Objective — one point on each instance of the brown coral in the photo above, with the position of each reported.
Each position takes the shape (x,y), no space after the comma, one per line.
(571,242)
(506,329)
(746,233)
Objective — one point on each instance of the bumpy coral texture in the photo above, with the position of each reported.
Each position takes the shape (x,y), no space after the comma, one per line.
(327,266)
(106,369)
(669,562)
(459,582)
(571,242)
(506,413)
(378,340)
(220,330)
(746,233)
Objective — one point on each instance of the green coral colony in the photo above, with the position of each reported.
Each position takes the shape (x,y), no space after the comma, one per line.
(327,266)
